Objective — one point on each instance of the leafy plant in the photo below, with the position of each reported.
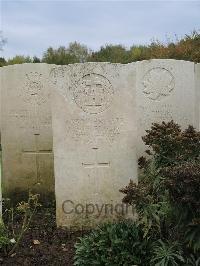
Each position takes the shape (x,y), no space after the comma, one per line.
(192,261)
(9,234)
(171,146)
(167,194)
(4,239)
(167,254)
(113,244)
(183,184)
(28,210)
(192,235)
(150,199)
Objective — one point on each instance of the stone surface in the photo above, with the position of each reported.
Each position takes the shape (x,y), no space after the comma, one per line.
(165,92)
(197,81)
(0,100)
(94,130)
(0,146)
(26,130)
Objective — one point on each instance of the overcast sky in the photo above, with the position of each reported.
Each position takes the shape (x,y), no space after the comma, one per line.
(32,26)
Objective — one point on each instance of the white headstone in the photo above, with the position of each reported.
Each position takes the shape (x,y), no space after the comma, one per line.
(26,130)
(0,99)
(0,146)
(165,92)
(197,80)
(94,131)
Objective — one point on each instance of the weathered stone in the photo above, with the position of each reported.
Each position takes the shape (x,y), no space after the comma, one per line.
(165,92)
(0,101)
(94,131)
(197,81)
(0,146)
(26,130)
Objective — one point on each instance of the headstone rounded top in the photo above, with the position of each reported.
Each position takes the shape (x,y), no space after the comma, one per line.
(158,83)
(93,93)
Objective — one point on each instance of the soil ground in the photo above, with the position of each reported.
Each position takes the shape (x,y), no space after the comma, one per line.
(44,243)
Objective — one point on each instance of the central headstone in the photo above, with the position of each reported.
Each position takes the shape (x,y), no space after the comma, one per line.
(94,131)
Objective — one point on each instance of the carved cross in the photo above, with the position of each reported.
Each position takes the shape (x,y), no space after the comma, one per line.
(96,163)
(36,152)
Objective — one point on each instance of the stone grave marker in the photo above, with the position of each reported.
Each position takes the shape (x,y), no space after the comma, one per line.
(26,130)
(165,92)
(94,131)
(197,81)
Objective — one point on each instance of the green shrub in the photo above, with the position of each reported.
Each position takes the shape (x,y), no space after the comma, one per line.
(167,194)
(4,239)
(150,199)
(113,244)
(167,254)
(171,146)
(183,184)
(192,235)
(192,260)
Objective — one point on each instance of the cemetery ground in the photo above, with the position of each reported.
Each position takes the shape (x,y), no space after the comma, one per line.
(43,243)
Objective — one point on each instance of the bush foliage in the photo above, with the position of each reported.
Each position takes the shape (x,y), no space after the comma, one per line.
(113,244)
(167,202)
(167,195)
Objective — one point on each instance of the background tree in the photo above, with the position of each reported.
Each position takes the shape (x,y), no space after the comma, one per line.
(74,53)
(2,62)
(58,56)
(80,51)
(186,48)
(19,59)
(36,59)
(138,53)
(111,53)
